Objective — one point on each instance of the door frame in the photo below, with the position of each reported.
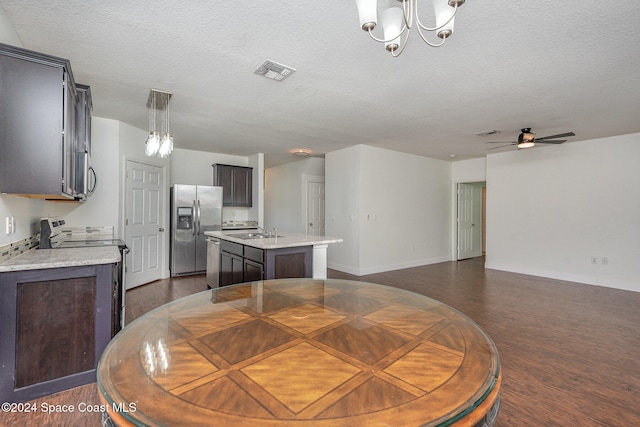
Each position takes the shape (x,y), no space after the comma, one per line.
(454,221)
(306,179)
(164,247)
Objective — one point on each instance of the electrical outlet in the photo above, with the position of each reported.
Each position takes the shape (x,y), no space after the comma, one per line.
(594,260)
(605,261)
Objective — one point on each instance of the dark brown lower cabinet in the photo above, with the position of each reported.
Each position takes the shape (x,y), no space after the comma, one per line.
(231,269)
(240,263)
(288,263)
(253,271)
(54,325)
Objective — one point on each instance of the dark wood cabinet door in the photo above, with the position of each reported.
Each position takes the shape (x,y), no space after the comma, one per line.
(231,269)
(50,345)
(54,325)
(253,271)
(242,187)
(236,183)
(223,177)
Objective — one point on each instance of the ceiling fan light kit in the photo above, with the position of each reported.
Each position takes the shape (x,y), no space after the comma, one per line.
(525,139)
(397,22)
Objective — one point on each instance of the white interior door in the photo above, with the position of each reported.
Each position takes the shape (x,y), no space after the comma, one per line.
(143,223)
(315,208)
(466,226)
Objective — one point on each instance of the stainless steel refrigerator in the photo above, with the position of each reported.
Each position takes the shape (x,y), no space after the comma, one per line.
(194,210)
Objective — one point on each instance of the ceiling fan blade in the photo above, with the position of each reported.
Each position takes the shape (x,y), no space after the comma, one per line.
(555,141)
(500,142)
(508,145)
(560,135)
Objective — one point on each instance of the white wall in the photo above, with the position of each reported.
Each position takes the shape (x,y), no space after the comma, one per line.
(342,208)
(551,209)
(473,170)
(101,209)
(27,213)
(393,209)
(285,196)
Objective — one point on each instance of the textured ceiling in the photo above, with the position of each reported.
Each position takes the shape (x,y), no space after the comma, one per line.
(554,66)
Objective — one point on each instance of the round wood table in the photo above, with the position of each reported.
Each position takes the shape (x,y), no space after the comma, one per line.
(301,352)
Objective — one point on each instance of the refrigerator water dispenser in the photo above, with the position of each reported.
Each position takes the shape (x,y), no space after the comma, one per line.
(185,218)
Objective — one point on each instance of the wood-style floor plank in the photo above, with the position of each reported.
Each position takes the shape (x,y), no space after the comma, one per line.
(569,351)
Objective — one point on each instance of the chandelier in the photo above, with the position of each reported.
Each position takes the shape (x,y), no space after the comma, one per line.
(159,143)
(397,22)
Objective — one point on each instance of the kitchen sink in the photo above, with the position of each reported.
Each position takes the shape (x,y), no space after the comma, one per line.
(252,236)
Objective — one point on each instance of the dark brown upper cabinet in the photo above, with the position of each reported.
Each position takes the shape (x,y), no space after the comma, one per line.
(39,119)
(235,182)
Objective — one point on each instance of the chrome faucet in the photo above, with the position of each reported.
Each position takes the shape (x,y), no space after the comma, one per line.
(267,232)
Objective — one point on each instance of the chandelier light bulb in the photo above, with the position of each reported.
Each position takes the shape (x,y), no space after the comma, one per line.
(153,144)
(166,145)
(368,13)
(392,20)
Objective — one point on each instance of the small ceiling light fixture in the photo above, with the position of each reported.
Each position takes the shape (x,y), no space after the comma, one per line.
(397,22)
(274,71)
(525,139)
(301,152)
(159,143)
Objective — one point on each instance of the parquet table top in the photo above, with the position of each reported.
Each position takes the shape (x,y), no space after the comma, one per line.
(300,352)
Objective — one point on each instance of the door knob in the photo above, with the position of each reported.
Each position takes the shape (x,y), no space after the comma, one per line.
(161,229)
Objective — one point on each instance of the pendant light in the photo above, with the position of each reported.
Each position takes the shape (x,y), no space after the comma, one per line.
(156,144)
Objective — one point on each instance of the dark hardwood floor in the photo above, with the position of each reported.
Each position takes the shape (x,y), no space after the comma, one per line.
(569,352)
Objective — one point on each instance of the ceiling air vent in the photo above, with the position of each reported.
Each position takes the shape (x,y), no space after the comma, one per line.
(488,132)
(274,71)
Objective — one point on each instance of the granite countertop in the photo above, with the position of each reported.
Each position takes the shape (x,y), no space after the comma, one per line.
(287,240)
(37,259)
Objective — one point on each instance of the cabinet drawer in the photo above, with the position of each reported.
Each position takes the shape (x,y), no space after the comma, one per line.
(254,254)
(233,248)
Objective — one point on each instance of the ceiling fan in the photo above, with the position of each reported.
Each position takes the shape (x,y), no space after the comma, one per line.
(527,139)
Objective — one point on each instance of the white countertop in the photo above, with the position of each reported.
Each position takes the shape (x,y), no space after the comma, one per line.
(37,259)
(287,240)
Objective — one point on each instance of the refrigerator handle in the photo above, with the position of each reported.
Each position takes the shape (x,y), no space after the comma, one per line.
(199,212)
(194,219)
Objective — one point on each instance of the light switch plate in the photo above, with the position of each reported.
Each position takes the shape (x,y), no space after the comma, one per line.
(10,225)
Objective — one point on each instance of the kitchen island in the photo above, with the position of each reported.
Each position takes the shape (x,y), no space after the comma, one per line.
(58,311)
(248,256)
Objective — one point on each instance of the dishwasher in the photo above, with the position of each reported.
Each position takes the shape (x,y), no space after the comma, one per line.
(213,262)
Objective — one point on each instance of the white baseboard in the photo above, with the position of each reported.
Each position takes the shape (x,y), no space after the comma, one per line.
(569,277)
(387,267)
